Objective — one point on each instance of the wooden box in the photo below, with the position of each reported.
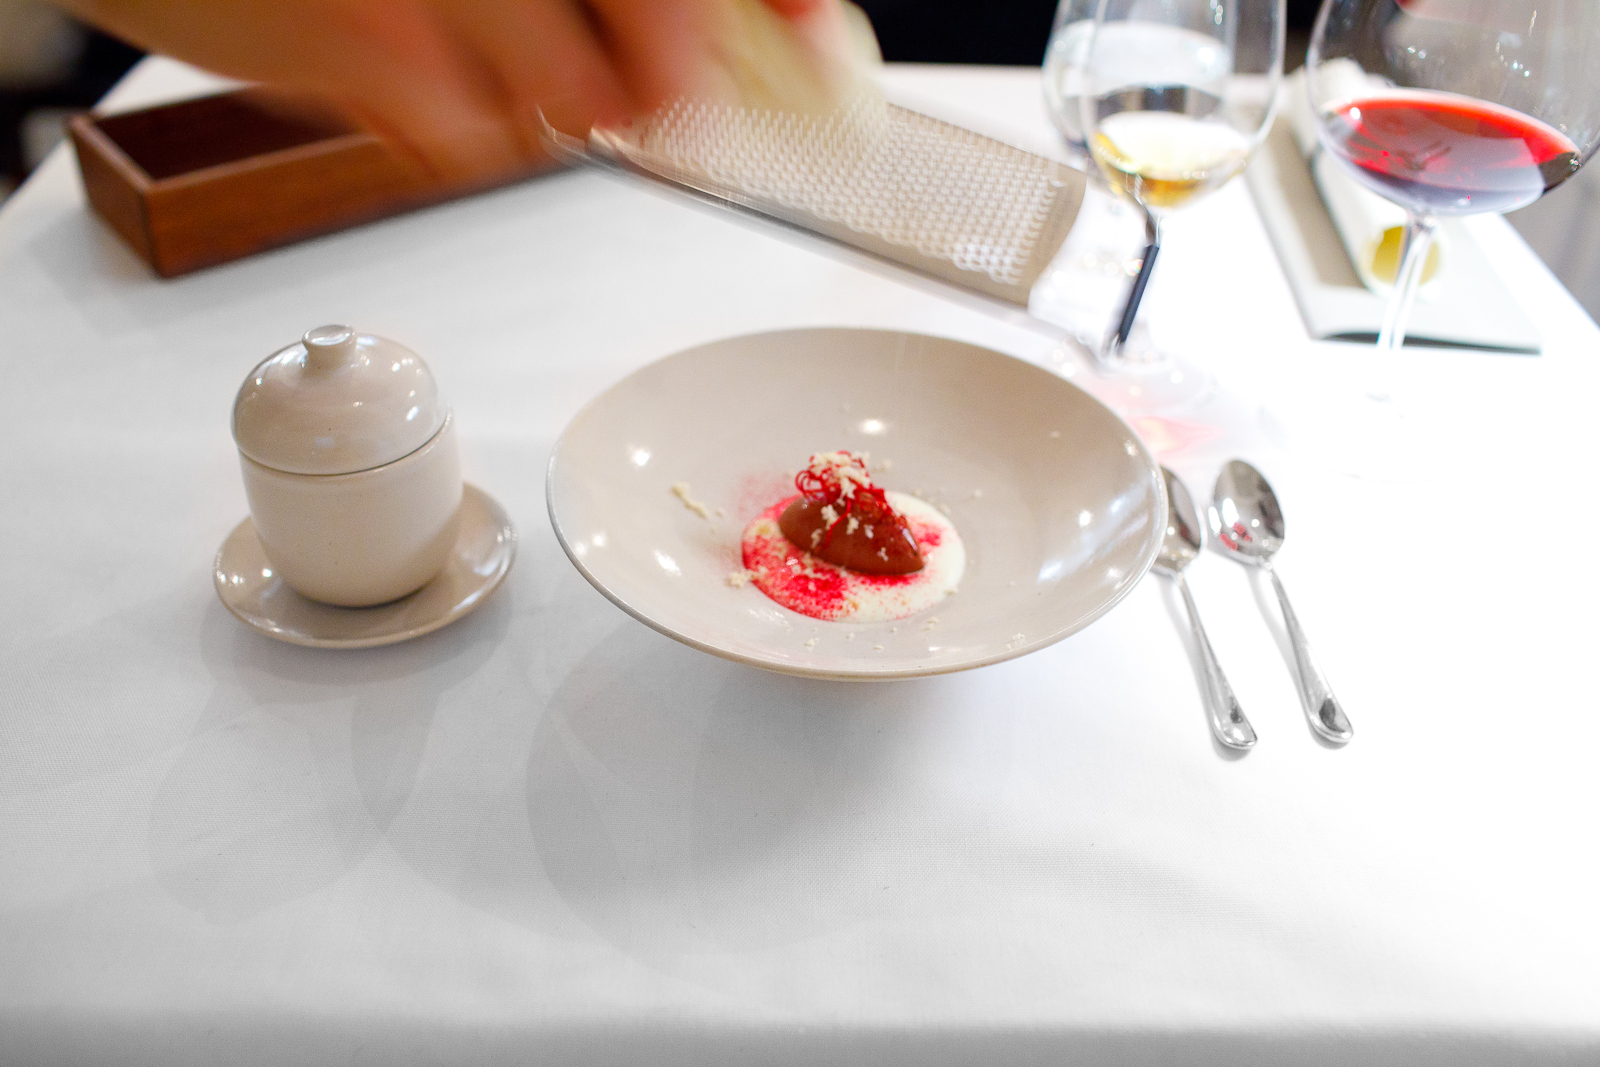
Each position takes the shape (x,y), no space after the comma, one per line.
(204,181)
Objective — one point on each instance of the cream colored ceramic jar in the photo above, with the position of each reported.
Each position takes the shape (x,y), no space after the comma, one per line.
(350,466)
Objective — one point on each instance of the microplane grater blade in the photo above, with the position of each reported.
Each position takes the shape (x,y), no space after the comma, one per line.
(926,194)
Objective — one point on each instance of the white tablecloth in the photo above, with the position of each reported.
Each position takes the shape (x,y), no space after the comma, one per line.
(550,835)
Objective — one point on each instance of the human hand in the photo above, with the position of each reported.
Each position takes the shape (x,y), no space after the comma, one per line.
(455,85)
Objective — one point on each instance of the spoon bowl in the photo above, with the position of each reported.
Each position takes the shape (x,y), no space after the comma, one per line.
(1245,518)
(1183,541)
(1179,548)
(1247,523)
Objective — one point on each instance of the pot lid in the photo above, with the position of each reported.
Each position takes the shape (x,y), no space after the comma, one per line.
(335,403)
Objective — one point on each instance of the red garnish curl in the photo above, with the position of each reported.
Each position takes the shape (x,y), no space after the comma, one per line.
(836,490)
(864,500)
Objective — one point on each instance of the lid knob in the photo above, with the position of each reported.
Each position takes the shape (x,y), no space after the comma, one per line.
(328,347)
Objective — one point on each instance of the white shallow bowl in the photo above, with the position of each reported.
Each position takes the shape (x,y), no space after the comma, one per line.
(1059,505)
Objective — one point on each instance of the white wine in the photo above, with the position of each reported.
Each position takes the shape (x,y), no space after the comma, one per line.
(1165,159)
(1125,53)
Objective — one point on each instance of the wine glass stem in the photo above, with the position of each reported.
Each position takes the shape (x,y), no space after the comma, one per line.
(1416,242)
(1110,355)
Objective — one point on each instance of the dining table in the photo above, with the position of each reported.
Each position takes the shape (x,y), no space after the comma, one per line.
(548,834)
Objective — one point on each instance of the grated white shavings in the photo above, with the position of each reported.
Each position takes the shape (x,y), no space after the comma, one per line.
(844,469)
(850,525)
(681,491)
(805,565)
(741,578)
(877,648)
(811,643)
(829,515)
(931,623)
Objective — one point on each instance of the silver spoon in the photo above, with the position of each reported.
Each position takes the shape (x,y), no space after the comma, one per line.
(1178,550)
(1248,524)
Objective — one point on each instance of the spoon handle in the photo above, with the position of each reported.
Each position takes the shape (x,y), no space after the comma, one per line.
(1228,723)
(1322,708)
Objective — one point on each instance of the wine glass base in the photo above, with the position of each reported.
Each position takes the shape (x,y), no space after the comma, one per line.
(1165,384)
(1082,292)
(1369,435)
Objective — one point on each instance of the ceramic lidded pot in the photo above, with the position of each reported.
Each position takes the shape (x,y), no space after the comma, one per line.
(350,466)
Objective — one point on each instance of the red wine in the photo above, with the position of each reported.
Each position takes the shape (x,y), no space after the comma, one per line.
(1442,154)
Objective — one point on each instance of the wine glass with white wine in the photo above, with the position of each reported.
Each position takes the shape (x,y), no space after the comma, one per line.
(1168,98)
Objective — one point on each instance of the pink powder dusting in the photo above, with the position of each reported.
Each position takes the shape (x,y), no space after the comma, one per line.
(803,583)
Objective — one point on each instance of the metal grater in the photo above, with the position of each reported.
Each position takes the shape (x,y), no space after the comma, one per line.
(927,195)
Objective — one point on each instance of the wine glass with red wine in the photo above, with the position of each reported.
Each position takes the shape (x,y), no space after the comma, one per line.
(1447,108)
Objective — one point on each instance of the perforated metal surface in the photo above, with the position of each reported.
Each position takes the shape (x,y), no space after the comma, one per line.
(926,194)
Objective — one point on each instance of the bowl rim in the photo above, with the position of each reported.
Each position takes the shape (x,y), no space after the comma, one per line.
(1146,559)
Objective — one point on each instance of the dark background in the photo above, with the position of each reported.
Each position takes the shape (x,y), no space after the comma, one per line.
(994,31)
(915,31)
(100,63)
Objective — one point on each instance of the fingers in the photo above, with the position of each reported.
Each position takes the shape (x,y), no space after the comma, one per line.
(663,49)
(541,56)
(660,48)
(458,85)
(403,75)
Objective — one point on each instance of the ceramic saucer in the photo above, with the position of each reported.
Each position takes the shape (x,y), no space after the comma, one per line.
(483,553)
